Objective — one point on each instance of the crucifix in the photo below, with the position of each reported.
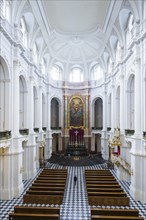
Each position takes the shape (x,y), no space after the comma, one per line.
(76,142)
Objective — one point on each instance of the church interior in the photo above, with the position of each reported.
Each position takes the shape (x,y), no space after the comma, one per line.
(72,109)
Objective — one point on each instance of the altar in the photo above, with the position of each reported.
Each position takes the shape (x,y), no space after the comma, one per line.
(76,146)
(76,151)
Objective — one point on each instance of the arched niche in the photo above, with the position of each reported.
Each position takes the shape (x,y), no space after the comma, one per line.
(22,103)
(98,114)
(4,96)
(118,107)
(54,113)
(130,102)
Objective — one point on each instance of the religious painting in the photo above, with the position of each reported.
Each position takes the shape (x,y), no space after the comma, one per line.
(76,111)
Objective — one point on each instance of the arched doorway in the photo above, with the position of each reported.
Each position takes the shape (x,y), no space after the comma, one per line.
(4,97)
(35,99)
(98,143)
(54,114)
(130,102)
(118,107)
(22,103)
(98,114)
(55,143)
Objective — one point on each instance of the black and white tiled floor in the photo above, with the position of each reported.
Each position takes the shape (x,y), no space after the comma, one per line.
(75,204)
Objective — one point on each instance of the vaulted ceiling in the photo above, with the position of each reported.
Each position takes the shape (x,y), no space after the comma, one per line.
(77,28)
(76,16)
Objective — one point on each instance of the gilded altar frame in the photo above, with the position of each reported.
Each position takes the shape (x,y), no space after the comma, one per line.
(69,106)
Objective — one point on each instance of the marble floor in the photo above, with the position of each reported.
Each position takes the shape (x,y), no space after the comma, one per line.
(75,204)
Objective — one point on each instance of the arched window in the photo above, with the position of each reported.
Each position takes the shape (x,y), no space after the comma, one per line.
(23,32)
(76,75)
(118,52)
(6,9)
(97,72)
(43,67)
(56,72)
(22,103)
(35,53)
(130,102)
(109,68)
(130,30)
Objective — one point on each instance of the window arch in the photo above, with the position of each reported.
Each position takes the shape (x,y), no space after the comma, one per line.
(130,102)
(43,66)
(109,68)
(96,72)
(130,25)
(35,53)
(23,32)
(4,97)
(56,72)
(6,9)
(117,52)
(76,75)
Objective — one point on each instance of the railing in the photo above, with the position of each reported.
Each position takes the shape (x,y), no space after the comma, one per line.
(36,130)
(44,129)
(5,135)
(121,162)
(56,128)
(24,131)
(108,129)
(97,128)
(129,132)
(144,134)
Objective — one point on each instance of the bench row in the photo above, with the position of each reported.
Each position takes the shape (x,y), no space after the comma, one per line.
(121,214)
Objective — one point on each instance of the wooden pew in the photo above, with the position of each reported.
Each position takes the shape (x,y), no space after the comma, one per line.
(29,216)
(54,171)
(107,194)
(49,181)
(43,192)
(19,212)
(106,178)
(52,178)
(37,210)
(105,185)
(114,212)
(98,213)
(101,182)
(104,189)
(44,188)
(108,201)
(43,199)
(48,184)
(102,217)
(97,172)
(103,176)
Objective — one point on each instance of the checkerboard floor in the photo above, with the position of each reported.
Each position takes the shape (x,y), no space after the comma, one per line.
(75,204)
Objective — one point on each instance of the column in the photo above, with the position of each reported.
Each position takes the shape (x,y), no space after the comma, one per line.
(137,98)
(40,109)
(48,147)
(65,112)
(104,142)
(31,106)
(14,156)
(137,157)
(122,113)
(113,108)
(16,69)
(29,157)
(86,113)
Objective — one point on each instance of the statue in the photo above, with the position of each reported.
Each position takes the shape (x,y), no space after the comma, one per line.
(115,142)
(116,138)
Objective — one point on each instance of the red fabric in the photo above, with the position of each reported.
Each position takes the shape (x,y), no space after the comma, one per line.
(76,134)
